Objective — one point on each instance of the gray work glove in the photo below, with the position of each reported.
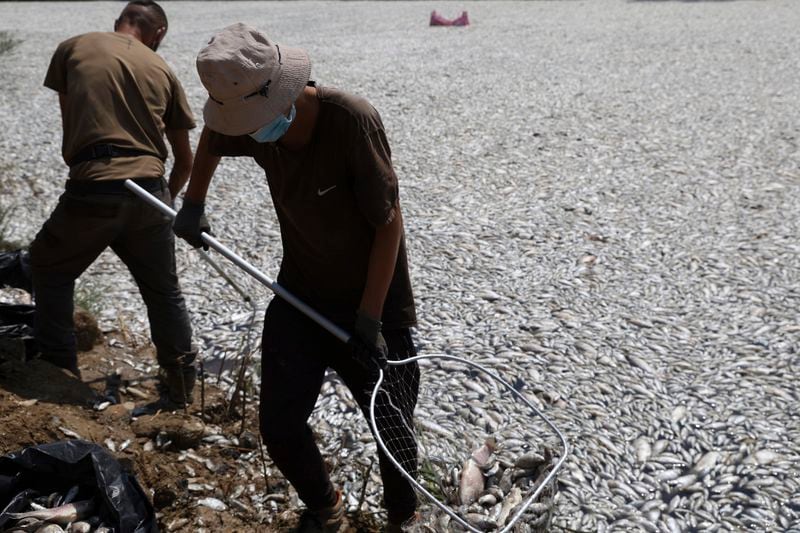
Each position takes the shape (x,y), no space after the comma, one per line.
(190,222)
(369,346)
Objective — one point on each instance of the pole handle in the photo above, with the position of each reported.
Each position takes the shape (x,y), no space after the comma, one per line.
(301,306)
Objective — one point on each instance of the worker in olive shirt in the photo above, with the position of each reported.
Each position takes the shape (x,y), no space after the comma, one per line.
(118,99)
(329,170)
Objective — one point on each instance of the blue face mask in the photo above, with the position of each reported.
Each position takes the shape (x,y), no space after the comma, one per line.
(275,129)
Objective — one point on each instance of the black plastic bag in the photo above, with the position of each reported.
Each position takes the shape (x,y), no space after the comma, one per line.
(122,504)
(16,331)
(16,314)
(15,270)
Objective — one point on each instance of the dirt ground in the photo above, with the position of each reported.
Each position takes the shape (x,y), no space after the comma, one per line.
(178,458)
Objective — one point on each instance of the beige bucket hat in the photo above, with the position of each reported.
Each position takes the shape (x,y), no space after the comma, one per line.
(250,80)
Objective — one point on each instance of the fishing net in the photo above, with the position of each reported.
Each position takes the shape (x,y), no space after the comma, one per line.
(483,456)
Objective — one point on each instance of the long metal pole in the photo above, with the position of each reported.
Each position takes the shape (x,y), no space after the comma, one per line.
(304,308)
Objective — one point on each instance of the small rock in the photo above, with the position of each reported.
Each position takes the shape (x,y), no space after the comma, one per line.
(164,497)
(248,441)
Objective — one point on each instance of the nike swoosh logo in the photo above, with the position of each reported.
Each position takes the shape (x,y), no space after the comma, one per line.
(321,192)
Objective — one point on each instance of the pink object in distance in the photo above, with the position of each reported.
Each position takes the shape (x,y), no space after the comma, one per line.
(438,20)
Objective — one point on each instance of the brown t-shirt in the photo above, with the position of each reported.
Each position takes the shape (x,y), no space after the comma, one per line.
(118,92)
(329,197)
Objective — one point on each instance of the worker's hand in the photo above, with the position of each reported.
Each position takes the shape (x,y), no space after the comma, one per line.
(369,346)
(190,222)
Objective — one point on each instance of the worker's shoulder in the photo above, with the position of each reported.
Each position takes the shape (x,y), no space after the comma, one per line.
(351,106)
(120,45)
(97,38)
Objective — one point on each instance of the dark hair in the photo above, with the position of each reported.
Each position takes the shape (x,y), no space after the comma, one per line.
(157,18)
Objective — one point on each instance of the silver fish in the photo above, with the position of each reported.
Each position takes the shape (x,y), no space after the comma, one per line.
(63,514)
(79,527)
(212,503)
(50,528)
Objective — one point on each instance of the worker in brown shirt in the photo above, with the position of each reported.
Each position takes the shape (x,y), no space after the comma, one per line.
(118,100)
(328,165)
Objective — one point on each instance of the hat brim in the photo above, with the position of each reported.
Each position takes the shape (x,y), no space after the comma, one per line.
(241,117)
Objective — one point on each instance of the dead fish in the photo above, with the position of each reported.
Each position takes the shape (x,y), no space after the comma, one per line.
(212,503)
(28,524)
(79,527)
(642,448)
(471,483)
(433,427)
(529,461)
(513,499)
(50,528)
(71,493)
(59,515)
(69,433)
(706,463)
(482,522)
(470,486)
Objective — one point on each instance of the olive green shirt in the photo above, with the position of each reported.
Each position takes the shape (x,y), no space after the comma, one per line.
(118,91)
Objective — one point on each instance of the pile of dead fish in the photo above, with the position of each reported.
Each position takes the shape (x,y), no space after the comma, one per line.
(610,223)
(57,513)
(488,490)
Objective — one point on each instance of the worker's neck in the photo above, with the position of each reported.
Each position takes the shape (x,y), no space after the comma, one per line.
(300,132)
(127,29)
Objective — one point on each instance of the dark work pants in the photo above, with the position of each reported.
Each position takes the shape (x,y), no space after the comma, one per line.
(295,354)
(84,223)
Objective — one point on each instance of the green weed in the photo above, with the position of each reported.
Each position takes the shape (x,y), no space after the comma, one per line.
(89,297)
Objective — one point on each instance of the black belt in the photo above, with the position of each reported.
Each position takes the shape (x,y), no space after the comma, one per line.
(106,151)
(112,186)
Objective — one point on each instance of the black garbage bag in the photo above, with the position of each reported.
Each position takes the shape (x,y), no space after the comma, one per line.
(16,314)
(16,331)
(15,270)
(58,466)
(16,321)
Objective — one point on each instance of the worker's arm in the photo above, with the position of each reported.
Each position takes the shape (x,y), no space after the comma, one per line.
(182,166)
(62,103)
(382,261)
(370,347)
(191,220)
(202,170)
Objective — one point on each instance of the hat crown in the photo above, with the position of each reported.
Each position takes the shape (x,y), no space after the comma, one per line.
(238,61)
(250,80)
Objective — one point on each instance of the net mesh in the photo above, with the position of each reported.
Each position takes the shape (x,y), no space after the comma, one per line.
(471,444)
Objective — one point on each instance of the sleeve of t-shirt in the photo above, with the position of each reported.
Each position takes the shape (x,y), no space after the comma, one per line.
(230,146)
(374,180)
(178,115)
(56,77)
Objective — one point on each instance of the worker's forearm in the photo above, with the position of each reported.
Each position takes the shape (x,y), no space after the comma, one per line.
(382,261)
(202,170)
(178,178)
(182,167)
